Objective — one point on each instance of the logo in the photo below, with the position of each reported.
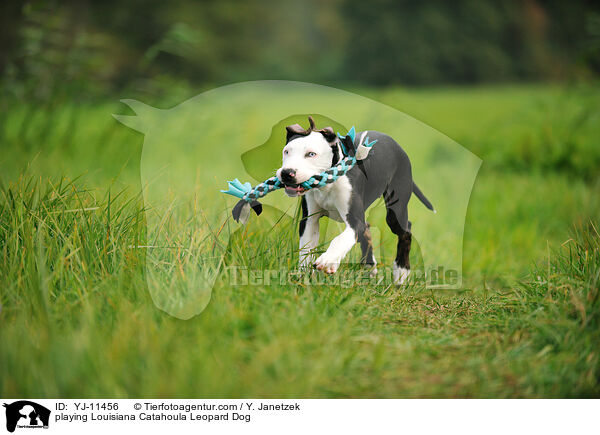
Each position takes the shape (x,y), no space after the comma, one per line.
(26,414)
(191,150)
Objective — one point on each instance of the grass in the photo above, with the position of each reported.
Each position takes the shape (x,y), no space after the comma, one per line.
(77,318)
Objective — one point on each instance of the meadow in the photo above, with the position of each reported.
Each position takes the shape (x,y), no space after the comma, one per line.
(77,319)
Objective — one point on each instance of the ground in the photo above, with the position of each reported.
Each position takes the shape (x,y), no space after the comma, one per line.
(77,319)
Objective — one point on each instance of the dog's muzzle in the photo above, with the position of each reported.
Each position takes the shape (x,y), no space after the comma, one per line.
(294,189)
(288,178)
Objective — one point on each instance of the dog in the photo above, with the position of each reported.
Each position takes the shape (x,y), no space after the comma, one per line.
(386,171)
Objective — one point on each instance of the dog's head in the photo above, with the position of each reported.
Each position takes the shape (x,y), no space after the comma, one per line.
(307,152)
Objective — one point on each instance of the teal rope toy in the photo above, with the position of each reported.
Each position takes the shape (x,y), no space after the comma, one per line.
(249,195)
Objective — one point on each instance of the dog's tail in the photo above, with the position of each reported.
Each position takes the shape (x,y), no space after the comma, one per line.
(422,197)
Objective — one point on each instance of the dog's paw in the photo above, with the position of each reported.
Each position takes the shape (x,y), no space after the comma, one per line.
(328,263)
(306,267)
(401,275)
(306,263)
(372,268)
(373,272)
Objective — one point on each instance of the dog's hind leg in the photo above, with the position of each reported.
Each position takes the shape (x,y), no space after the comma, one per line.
(397,220)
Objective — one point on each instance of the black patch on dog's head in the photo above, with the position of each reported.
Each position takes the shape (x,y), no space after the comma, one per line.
(328,134)
(294,130)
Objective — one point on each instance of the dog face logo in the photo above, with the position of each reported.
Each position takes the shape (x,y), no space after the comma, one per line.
(191,150)
(26,414)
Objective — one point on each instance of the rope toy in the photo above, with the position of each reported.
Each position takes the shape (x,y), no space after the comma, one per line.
(249,195)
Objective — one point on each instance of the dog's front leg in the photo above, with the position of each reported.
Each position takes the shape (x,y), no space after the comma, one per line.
(309,233)
(330,260)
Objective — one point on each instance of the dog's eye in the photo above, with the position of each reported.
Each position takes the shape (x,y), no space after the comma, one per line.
(310,154)
(285,152)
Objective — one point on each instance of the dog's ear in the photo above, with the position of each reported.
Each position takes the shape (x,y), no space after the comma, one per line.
(328,133)
(311,122)
(293,130)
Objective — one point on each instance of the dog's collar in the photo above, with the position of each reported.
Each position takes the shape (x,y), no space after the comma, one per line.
(338,152)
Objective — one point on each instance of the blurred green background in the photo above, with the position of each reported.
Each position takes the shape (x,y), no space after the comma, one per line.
(514,82)
(89,49)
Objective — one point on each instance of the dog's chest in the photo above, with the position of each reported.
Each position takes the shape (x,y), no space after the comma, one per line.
(334,199)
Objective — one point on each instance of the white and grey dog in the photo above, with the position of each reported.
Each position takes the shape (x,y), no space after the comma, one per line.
(386,171)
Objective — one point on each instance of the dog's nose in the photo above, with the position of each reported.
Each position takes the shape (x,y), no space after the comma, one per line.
(288,175)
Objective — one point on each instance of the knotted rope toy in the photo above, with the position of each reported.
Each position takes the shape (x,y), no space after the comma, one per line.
(249,195)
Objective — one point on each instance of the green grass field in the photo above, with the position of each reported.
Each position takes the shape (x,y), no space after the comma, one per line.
(77,319)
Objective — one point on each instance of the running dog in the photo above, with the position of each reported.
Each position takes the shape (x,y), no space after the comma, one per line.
(386,171)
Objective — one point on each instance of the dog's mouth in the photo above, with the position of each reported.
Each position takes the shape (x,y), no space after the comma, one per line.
(294,190)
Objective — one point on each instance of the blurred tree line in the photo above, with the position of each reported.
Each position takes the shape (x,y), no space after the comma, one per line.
(48,47)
